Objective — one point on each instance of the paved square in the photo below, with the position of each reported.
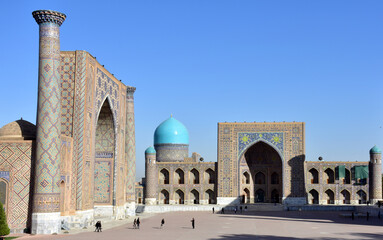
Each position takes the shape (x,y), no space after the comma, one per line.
(259,225)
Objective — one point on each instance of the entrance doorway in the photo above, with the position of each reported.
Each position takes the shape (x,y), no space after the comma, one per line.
(264,167)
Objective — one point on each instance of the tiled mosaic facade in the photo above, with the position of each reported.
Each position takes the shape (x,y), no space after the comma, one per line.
(323,186)
(81,156)
(15,169)
(47,191)
(287,139)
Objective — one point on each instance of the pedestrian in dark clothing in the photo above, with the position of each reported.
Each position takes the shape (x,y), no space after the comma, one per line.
(223,210)
(368,215)
(213,210)
(98,226)
(240,209)
(135,223)
(235,210)
(245,208)
(193,222)
(352,216)
(138,223)
(379,204)
(162,222)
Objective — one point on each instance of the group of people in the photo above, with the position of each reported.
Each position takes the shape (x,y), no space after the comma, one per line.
(136,223)
(235,209)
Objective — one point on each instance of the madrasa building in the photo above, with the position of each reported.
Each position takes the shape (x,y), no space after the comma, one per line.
(78,162)
(257,163)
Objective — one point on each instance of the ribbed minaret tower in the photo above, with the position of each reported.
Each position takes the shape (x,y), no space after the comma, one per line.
(46,199)
(151,179)
(130,150)
(375,172)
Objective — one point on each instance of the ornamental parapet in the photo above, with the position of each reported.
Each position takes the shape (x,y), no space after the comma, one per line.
(130,89)
(42,16)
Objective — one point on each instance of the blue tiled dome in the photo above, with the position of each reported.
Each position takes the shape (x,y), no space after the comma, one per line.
(375,149)
(150,150)
(171,131)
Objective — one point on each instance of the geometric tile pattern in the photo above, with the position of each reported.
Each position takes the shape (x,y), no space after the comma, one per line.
(286,138)
(105,146)
(48,144)
(106,87)
(130,145)
(102,181)
(79,119)
(67,70)
(245,140)
(16,159)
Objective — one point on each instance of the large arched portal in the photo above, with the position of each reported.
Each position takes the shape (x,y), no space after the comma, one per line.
(104,162)
(264,164)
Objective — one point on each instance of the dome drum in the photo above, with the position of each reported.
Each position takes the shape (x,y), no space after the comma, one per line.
(171,152)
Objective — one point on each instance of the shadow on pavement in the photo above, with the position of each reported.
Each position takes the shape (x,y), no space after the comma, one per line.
(308,216)
(270,237)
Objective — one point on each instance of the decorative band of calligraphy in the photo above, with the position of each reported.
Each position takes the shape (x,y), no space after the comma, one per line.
(104,154)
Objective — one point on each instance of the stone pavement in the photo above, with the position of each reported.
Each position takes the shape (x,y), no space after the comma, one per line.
(257,225)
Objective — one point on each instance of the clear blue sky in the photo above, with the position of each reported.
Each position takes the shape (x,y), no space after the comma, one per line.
(320,62)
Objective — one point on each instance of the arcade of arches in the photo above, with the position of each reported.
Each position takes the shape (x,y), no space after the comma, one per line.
(261,178)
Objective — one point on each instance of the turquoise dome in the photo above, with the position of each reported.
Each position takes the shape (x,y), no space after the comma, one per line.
(171,131)
(150,150)
(375,149)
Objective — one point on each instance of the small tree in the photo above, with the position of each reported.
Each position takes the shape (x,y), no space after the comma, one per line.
(4,229)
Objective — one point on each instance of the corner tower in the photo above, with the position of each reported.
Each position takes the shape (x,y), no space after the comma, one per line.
(171,141)
(46,200)
(151,180)
(375,170)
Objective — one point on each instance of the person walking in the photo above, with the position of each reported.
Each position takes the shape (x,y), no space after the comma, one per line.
(193,222)
(138,223)
(135,224)
(213,210)
(162,223)
(98,226)
(240,209)
(352,216)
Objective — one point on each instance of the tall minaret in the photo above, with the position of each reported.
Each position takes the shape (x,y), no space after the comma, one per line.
(130,151)
(151,179)
(46,199)
(375,172)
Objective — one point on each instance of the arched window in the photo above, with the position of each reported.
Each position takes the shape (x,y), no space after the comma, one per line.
(246,178)
(164,197)
(260,195)
(314,197)
(345,196)
(329,176)
(209,176)
(179,197)
(330,196)
(164,176)
(246,196)
(179,177)
(194,176)
(275,196)
(274,178)
(210,196)
(347,178)
(260,178)
(194,196)
(362,196)
(314,176)
(4,193)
